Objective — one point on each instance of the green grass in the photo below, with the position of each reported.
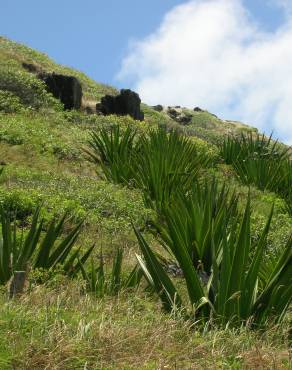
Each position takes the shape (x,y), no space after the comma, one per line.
(105,206)
(61,328)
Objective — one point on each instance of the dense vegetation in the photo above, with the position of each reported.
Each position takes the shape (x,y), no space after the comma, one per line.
(146,244)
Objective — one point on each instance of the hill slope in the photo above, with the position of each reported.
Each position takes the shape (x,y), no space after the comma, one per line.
(56,324)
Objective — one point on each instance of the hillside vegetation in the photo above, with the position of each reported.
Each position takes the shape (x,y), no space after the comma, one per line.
(155,244)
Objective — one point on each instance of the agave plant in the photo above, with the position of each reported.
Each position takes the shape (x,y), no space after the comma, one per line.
(166,163)
(230,149)
(249,145)
(101,284)
(265,173)
(288,204)
(36,251)
(113,149)
(159,163)
(259,161)
(194,221)
(236,290)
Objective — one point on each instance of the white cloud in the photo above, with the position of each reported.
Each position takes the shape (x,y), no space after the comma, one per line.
(286,4)
(210,53)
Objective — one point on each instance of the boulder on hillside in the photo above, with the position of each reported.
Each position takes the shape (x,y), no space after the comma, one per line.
(184,118)
(178,115)
(172,112)
(158,108)
(126,103)
(32,68)
(66,88)
(198,109)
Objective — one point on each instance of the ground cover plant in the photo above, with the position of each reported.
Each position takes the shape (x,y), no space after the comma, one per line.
(60,327)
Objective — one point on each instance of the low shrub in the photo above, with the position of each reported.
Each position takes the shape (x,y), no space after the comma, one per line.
(30,90)
(9,102)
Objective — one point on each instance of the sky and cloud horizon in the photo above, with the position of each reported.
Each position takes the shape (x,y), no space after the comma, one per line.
(215,54)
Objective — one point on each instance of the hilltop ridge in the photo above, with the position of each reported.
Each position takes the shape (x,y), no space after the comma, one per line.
(16,58)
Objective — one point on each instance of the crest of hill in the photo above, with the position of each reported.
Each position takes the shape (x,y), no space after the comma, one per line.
(13,56)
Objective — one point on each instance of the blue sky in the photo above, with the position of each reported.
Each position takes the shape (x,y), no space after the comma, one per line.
(89,35)
(93,35)
(125,43)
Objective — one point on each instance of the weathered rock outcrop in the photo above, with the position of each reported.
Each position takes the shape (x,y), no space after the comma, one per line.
(126,103)
(66,88)
(179,116)
(32,68)
(158,108)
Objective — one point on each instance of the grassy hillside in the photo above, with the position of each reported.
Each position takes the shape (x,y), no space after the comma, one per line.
(56,324)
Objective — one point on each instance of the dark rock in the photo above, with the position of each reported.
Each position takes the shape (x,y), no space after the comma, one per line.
(177,106)
(184,118)
(126,103)
(66,88)
(32,68)
(158,108)
(174,269)
(173,113)
(204,277)
(198,109)
(17,283)
(89,110)
(99,107)
(179,116)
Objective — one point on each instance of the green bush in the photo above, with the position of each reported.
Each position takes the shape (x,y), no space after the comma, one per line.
(249,146)
(104,205)
(9,102)
(18,203)
(30,90)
